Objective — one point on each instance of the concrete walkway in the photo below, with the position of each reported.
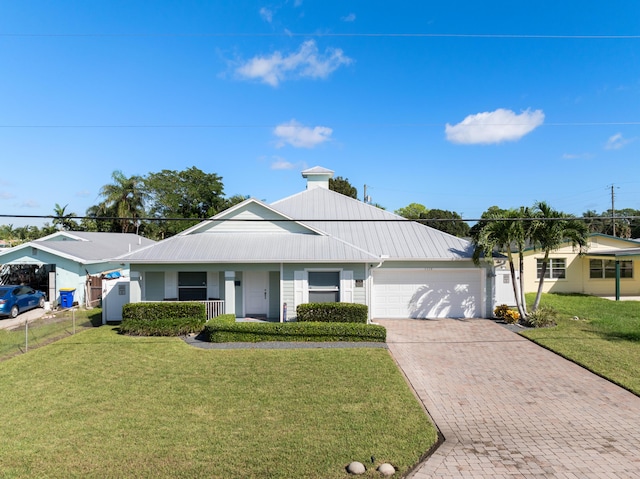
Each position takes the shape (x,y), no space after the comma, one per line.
(509,408)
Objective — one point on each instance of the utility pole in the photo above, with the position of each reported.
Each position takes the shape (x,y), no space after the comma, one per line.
(613,211)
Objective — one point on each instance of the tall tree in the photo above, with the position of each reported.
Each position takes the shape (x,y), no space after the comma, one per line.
(342,185)
(126,198)
(445,220)
(189,193)
(412,211)
(504,232)
(62,219)
(550,229)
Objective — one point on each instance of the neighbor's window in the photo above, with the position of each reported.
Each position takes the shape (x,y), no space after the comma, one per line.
(324,286)
(556,269)
(192,286)
(606,268)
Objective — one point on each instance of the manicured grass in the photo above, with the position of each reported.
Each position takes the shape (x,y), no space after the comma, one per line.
(606,339)
(100,404)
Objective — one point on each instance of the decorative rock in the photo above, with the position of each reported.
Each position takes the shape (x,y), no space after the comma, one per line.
(356,468)
(386,469)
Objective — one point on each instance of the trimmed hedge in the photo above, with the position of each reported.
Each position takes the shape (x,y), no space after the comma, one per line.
(224,318)
(163,318)
(162,326)
(217,332)
(332,313)
(163,310)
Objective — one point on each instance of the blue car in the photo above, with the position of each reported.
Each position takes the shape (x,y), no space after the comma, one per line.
(16,299)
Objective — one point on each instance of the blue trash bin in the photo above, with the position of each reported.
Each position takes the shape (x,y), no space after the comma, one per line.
(66,297)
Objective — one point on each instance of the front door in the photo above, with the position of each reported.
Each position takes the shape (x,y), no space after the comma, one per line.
(256,294)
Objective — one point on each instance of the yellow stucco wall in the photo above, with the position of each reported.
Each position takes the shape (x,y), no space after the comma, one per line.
(577,274)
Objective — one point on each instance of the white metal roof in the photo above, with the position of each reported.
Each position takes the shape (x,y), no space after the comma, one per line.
(316,225)
(85,247)
(242,248)
(375,230)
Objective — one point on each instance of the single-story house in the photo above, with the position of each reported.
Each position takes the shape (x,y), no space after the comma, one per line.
(262,260)
(593,272)
(64,259)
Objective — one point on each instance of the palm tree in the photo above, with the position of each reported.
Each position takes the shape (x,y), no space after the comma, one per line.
(549,231)
(126,198)
(504,231)
(62,220)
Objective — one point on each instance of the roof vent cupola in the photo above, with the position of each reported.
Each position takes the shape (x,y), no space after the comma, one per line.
(317,177)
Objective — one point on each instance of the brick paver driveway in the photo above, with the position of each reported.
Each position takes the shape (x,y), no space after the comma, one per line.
(509,408)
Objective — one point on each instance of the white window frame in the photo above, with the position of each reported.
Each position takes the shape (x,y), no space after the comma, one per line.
(301,284)
(552,268)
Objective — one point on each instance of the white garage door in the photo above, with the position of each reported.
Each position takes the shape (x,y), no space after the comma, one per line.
(419,293)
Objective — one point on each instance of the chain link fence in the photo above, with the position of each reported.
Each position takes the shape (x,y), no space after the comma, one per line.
(33,332)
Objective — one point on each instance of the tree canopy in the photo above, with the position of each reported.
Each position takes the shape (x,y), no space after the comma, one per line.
(342,185)
(412,211)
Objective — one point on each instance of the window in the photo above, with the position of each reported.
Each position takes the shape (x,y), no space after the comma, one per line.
(324,286)
(556,269)
(606,268)
(192,286)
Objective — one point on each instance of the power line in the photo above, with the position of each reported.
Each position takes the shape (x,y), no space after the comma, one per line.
(316,220)
(507,36)
(361,125)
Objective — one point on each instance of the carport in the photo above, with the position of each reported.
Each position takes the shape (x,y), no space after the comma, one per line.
(33,273)
(618,255)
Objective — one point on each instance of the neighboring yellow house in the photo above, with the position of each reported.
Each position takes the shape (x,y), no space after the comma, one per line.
(592,273)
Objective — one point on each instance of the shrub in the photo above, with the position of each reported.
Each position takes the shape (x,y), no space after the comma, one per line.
(162,318)
(224,319)
(306,331)
(162,310)
(161,326)
(543,317)
(332,313)
(507,314)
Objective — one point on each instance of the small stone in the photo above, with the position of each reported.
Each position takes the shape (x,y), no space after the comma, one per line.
(356,468)
(386,469)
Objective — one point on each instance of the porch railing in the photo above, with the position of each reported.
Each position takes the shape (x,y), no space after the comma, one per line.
(213,307)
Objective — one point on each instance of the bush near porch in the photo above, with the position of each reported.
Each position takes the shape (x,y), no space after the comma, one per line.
(332,312)
(162,318)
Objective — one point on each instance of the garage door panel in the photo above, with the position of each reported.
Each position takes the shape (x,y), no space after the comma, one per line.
(426,294)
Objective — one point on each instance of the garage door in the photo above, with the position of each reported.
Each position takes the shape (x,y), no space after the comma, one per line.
(413,293)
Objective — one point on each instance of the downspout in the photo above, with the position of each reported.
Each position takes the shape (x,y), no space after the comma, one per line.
(370,283)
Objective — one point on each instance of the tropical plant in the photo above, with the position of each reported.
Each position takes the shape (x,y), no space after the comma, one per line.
(549,230)
(126,198)
(62,219)
(503,232)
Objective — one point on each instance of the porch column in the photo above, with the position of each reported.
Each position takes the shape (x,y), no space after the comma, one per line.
(230,292)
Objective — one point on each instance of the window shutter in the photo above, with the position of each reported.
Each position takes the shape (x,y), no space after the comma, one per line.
(346,286)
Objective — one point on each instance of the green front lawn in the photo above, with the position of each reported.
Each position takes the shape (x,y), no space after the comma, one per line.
(99,404)
(605,340)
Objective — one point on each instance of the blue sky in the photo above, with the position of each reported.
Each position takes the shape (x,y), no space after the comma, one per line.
(455,105)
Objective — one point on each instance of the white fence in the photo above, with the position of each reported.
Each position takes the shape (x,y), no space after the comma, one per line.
(214,308)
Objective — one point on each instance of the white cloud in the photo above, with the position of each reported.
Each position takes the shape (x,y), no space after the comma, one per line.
(266,14)
(5,195)
(300,136)
(577,156)
(83,193)
(494,127)
(617,141)
(307,62)
(282,164)
(349,18)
